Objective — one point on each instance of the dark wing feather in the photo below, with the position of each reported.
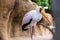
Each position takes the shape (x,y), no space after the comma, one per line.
(25,25)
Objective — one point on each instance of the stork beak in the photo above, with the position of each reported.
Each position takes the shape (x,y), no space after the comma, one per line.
(45,16)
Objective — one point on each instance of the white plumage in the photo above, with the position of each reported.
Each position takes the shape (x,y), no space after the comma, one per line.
(35,15)
(31,14)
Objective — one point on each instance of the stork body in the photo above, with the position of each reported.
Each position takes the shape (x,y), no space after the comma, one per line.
(30,19)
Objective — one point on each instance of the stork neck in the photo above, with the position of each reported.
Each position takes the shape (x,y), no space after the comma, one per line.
(37,13)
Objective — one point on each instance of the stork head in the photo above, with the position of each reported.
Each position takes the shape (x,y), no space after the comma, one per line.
(41,11)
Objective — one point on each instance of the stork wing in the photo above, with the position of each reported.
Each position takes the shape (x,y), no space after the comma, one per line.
(26,19)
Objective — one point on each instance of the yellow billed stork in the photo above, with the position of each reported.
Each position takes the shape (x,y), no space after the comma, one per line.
(31,18)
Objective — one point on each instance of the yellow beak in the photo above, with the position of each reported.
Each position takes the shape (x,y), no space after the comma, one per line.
(45,16)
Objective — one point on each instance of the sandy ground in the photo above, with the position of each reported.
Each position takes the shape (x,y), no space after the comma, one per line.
(34,38)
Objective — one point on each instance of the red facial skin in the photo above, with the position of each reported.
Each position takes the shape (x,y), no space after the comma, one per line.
(40,10)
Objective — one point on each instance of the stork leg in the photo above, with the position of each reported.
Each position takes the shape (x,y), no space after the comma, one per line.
(31,32)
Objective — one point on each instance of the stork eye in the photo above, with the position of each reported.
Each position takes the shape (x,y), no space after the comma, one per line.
(40,9)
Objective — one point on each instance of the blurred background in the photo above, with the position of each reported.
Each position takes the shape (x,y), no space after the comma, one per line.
(11,14)
(44,3)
